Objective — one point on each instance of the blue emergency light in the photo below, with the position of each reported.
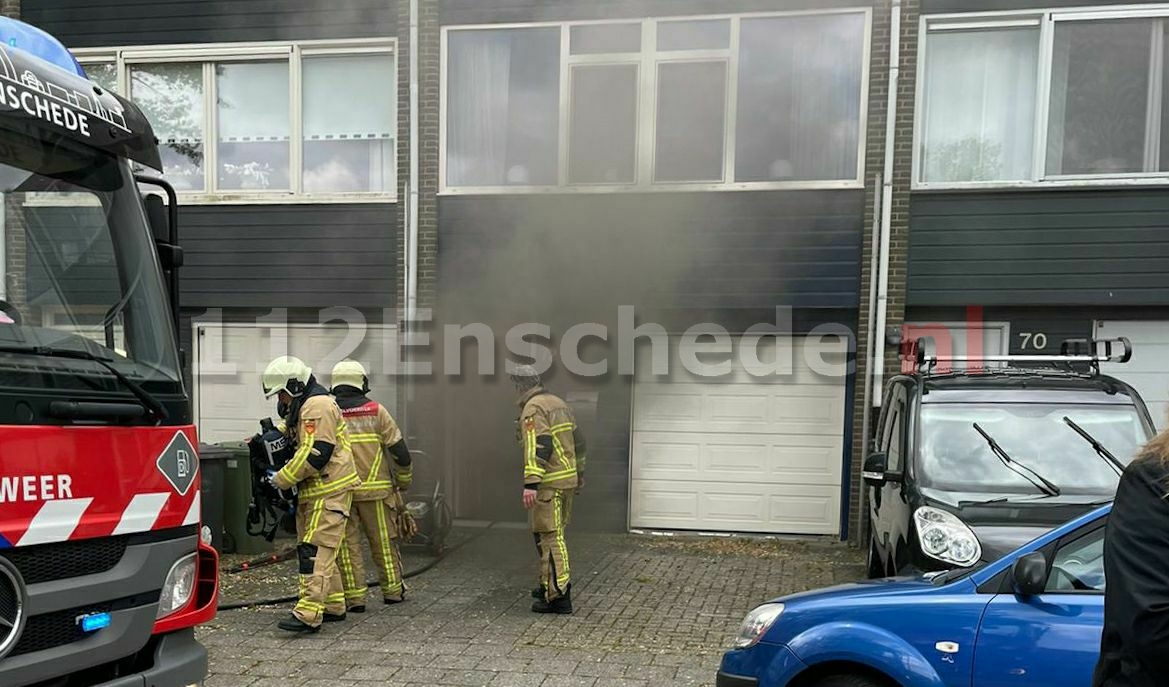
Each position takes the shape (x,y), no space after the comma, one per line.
(30,39)
(94,622)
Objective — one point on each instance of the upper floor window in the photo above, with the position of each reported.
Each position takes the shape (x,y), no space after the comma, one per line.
(1061,97)
(725,102)
(265,121)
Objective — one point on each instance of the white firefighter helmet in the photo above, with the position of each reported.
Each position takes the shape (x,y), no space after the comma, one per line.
(350,373)
(286,373)
(525,377)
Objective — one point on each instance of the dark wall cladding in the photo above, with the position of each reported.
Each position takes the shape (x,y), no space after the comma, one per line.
(1068,247)
(502,11)
(517,257)
(946,6)
(310,256)
(90,23)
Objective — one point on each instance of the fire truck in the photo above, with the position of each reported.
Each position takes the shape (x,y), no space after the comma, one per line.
(104,567)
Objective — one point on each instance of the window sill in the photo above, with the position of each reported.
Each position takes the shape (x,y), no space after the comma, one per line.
(1055,184)
(186,198)
(699,187)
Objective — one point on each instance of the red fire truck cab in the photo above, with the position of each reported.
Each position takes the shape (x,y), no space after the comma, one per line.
(104,572)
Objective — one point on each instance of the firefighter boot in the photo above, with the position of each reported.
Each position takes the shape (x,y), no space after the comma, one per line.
(539,592)
(294,624)
(561,604)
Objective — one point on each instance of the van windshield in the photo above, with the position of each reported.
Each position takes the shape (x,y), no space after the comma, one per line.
(955,457)
(77,270)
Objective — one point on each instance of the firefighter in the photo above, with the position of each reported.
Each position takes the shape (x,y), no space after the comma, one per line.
(553,450)
(378,507)
(322,470)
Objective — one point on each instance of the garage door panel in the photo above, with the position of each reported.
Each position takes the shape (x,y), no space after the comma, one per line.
(754,410)
(664,505)
(665,458)
(671,408)
(743,461)
(750,407)
(771,459)
(738,508)
(808,510)
(760,367)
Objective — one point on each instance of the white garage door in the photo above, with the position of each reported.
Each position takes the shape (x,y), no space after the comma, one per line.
(1148,371)
(740,453)
(229,359)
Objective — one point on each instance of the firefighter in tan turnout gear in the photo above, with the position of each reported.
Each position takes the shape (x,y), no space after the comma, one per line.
(554,462)
(321,468)
(384,465)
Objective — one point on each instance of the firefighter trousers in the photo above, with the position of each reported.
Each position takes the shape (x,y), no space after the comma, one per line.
(320,530)
(548,519)
(379,522)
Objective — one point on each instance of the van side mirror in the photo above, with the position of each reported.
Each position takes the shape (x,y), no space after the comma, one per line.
(874,469)
(156,215)
(1029,574)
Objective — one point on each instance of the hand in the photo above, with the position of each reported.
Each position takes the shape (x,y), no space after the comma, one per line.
(580,482)
(529,499)
(270,476)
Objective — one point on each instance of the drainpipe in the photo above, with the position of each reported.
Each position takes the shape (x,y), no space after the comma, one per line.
(887,199)
(867,412)
(411,275)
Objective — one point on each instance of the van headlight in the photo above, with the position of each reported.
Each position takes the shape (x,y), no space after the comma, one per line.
(756,624)
(946,538)
(178,588)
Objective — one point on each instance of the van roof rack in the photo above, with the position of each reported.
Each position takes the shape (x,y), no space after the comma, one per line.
(1073,352)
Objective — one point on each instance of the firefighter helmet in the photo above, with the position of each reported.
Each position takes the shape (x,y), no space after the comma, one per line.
(286,373)
(350,373)
(525,377)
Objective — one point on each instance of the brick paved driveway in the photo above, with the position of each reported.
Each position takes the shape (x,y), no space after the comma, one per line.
(650,611)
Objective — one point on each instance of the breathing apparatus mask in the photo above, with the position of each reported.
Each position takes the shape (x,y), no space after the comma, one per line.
(268,452)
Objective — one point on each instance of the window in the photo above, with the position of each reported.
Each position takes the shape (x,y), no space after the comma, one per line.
(979,112)
(1072,96)
(1079,565)
(348,150)
(603,124)
(798,115)
(230,123)
(254,128)
(171,97)
(893,434)
(755,101)
(503,97)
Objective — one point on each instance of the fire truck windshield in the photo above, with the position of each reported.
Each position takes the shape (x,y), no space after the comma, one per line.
(78,271)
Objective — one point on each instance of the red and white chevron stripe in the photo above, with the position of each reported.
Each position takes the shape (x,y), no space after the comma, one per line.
(56,521)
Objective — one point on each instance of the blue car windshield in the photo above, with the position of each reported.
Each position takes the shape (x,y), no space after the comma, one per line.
(953,456)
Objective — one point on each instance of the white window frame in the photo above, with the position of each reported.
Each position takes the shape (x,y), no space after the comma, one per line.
(648,59)
(1045,20)
(295,52)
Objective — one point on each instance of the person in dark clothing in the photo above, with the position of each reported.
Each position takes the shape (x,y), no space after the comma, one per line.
(1134,648)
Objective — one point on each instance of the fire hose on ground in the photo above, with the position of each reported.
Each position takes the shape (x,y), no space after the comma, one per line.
(289,553)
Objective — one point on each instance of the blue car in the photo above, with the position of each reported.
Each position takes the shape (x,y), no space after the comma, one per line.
(1032,618)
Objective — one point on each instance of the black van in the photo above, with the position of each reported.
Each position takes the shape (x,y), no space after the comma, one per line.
(970,464)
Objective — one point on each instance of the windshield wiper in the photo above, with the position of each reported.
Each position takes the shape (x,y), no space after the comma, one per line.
(151,403)
(1041,483)
(1103,452)
(997,499)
